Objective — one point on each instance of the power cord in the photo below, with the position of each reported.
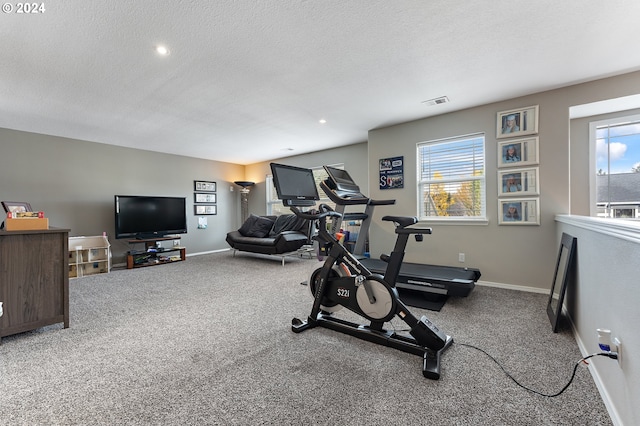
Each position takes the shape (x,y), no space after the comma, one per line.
(612,355)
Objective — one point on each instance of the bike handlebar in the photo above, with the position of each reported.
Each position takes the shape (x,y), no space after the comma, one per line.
(402,222)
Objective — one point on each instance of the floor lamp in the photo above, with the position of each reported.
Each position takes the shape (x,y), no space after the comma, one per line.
(244,197)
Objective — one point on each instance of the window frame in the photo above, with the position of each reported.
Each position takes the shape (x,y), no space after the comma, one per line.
(594,208)
(453,220)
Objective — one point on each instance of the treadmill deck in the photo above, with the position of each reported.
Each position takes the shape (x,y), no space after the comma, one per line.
(447,280)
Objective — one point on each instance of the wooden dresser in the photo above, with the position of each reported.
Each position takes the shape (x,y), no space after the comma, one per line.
(34,279)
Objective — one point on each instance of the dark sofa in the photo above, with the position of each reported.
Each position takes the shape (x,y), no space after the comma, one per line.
(270,234)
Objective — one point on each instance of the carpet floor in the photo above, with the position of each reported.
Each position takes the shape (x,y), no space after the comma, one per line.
(208,341)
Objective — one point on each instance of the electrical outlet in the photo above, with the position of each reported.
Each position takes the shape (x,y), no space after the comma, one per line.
(608,344)
(1,312)
(617,344)
(461,257)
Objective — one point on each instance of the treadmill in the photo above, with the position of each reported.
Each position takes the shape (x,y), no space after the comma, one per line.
(433,283)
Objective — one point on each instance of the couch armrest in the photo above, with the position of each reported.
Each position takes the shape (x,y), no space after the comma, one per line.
(290,241)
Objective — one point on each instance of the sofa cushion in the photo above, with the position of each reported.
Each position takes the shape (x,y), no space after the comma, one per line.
(288,222)
(256,226)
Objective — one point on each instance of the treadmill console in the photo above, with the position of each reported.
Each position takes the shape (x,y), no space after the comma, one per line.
(340,181)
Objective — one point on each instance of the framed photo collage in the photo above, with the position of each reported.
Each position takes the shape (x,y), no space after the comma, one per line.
(518,171)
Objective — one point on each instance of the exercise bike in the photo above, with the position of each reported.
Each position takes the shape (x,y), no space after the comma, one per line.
(343,281)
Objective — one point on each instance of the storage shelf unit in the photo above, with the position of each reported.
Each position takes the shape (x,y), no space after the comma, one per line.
(89,256)
(154,253)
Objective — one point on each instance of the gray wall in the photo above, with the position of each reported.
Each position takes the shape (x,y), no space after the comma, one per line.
(606,296)
(74,183)
(511,255)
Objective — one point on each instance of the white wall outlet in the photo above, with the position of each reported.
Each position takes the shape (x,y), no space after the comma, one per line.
(461,257)
(617,344)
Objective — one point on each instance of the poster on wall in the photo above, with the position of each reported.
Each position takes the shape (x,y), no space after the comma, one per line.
(391,173)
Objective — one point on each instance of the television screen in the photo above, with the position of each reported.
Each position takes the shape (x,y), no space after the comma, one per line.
(295,186)
(149,217)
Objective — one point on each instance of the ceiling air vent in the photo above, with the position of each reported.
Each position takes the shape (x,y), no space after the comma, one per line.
(436,101)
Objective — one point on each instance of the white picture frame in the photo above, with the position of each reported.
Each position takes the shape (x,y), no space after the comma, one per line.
(517,122)
(519,211)
(203,209)
(204,186)
(205,198)
(518,152)
(518,182)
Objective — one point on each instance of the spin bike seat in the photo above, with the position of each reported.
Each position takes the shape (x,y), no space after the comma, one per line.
(401,220)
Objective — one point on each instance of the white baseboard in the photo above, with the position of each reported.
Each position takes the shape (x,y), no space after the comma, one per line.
(606,398)
(207,252)
(513,287)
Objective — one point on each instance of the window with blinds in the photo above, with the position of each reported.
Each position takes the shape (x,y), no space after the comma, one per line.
(451,179)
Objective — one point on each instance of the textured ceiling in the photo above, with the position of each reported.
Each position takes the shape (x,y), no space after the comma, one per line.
(248,80)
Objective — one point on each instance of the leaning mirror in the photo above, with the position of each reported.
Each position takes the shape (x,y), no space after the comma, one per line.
(562,276)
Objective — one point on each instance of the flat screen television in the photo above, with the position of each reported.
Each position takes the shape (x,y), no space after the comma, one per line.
(144,217)
(295,186)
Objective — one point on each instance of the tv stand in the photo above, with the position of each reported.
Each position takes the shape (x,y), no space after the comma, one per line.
(154,254)
(152,237)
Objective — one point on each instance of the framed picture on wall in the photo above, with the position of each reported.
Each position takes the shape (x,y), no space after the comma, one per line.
(391,172)
(205,198)
(517,122)
(518,182)
(519,211)
(204,186)
(519,152)
(203,209)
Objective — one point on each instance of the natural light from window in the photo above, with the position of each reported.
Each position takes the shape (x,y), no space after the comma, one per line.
(617,165)
(451,179)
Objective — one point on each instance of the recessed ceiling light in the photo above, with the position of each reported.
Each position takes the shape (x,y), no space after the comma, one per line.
(162,50)
(322,121)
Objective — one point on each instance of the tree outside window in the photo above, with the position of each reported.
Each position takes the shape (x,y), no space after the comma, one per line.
(452,179)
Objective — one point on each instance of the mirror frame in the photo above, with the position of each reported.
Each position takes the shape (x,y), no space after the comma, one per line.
(563,274)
